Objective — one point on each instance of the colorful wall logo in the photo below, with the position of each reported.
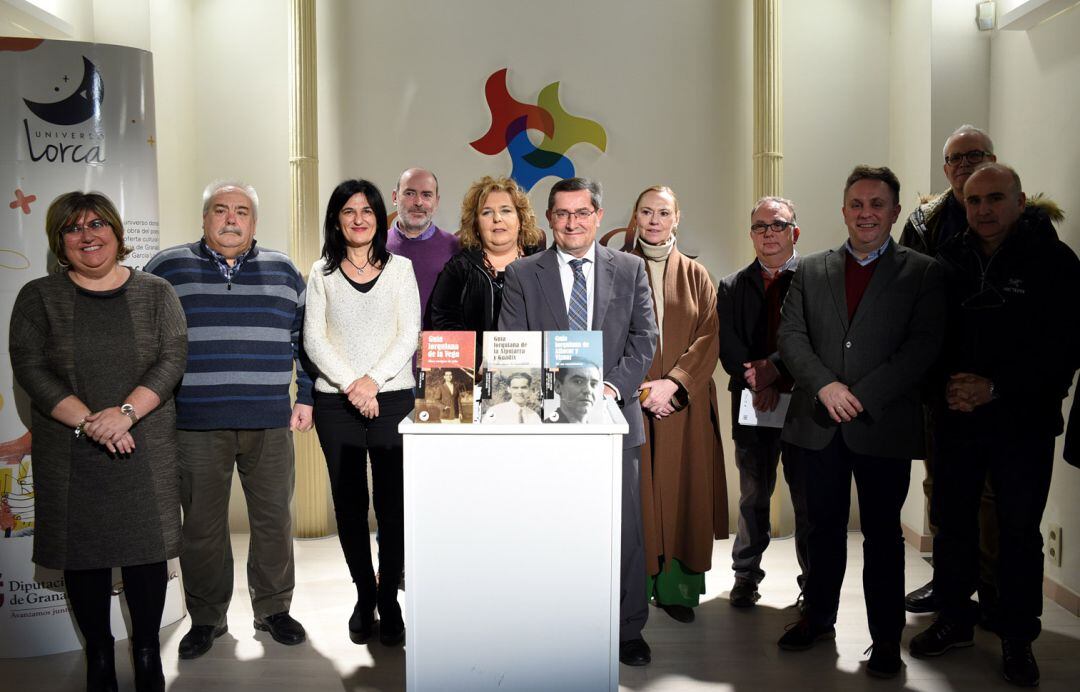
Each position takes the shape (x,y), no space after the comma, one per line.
(511,120)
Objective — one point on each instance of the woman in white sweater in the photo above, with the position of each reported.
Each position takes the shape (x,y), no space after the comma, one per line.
(360,331)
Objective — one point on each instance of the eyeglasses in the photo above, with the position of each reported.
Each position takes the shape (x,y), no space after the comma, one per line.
(775,226)
(581,214)
(95,226)
(974,156)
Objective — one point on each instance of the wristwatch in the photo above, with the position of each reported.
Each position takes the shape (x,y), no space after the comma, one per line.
(129,411)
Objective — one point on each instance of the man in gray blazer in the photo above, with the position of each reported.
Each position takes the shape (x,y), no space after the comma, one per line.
(580,284)
(860,326)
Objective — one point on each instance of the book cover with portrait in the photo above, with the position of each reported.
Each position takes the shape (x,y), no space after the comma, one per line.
(573,377)
(446,377)
(511,392)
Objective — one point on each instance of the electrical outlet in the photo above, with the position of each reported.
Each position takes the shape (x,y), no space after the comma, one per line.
(1053,544)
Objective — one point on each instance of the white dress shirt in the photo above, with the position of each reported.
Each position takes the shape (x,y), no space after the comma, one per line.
(566,275)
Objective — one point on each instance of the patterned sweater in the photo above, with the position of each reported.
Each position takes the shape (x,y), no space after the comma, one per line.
(243,338)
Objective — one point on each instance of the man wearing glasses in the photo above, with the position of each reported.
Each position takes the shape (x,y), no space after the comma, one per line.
(942,216)
(748,303)
(582,285)
(934,222)
(861,326)
(1008,361)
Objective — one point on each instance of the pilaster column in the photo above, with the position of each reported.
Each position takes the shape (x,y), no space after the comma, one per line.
(768,101)
(768,135)
(312,495)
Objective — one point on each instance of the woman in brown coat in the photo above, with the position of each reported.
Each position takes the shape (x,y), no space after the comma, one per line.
(683,491)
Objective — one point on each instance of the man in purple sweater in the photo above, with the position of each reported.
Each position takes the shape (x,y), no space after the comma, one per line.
(414,235)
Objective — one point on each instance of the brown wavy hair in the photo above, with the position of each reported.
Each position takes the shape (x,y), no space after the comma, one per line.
(66,209)
(469,233)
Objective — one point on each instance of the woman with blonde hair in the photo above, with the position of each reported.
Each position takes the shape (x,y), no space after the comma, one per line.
(498,226)
(683,490)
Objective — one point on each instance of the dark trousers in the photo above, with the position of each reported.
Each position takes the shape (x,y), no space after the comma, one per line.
(347,439)
(264,460)
(988,528)
(89,592)
(1019,467)
(882,485)
(757,458)
(633,597)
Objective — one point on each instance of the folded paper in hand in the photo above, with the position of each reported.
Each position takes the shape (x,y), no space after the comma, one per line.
(748,415)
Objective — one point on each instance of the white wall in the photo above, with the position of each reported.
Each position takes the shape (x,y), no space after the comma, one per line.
(667,82)
(910,155)
(960,86)
(1034,99)
(836,107)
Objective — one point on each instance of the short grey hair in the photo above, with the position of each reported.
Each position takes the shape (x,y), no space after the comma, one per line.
(573,185)
(224,185)
(775,200)
(967,129)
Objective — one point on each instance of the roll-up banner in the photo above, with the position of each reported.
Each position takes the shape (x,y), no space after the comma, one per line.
(74,116)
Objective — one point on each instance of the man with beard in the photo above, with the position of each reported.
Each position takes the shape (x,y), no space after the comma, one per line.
(244,306)
(414,235)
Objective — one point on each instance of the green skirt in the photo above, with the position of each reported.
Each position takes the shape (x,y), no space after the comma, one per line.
(674,585)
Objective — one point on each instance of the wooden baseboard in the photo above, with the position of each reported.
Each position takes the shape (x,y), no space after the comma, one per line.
(922,542)
(1062,595)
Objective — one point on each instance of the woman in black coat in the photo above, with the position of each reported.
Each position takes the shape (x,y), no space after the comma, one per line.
(498,226)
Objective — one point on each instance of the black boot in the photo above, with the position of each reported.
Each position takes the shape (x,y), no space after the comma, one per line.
(146,662)
(100,666)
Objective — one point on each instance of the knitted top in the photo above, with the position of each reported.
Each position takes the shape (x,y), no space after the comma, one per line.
(427,254)
(349,334)
(243,337)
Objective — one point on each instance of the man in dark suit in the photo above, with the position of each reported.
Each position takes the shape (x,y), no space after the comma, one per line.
(579,284)
(748,303)
(447,396)
(861,325)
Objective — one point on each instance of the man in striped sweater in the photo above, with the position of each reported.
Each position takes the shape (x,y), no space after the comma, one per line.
(244,307)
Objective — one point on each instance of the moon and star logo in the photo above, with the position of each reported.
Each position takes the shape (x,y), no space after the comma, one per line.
(77,146)
(82,105)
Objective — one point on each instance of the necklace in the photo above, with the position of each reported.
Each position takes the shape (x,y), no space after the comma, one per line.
(491,268)
(359,270)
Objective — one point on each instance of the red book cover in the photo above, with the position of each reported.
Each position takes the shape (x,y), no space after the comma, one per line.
(446,377)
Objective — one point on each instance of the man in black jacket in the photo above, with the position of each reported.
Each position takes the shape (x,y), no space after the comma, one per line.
(1007,364)
(933,223)
(748,303)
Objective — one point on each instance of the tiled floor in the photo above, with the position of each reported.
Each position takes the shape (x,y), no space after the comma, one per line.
(725,649)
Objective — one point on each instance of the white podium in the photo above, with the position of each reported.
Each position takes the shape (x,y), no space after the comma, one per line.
(512,542)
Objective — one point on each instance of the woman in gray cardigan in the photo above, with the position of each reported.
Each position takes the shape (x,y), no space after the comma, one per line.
(99,348)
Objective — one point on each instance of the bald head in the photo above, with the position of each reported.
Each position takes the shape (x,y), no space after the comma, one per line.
(417,198)
(994,200)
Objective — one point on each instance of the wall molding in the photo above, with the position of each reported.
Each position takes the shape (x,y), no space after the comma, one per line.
(1052,589)
(923,542)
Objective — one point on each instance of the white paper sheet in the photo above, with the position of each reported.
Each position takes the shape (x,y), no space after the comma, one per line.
(748,415)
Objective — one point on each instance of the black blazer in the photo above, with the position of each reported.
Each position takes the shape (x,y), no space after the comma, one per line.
(882,354)
(740,304)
